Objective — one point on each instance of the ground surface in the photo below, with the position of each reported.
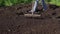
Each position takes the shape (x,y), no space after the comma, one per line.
(12,23)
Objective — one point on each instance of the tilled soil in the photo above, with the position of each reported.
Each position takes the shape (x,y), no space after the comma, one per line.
(12,23)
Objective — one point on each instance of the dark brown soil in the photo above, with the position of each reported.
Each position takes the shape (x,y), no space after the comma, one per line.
(12,23)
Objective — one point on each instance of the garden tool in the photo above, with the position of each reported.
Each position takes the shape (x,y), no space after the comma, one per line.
(34,7)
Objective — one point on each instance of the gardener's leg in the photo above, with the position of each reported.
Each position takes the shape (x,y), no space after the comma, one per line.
(35,6)
(44,5)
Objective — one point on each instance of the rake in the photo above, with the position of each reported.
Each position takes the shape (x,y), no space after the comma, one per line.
(34,7)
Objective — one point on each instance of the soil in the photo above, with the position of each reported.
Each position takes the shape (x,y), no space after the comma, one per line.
(12,23)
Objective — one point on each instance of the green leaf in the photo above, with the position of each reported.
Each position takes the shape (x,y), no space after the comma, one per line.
(8,3)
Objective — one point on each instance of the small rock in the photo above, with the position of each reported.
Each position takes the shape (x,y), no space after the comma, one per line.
(9,30)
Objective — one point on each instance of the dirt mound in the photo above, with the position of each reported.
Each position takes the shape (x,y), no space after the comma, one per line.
(12,23)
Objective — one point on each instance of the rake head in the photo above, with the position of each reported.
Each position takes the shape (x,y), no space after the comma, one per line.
(32,15)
